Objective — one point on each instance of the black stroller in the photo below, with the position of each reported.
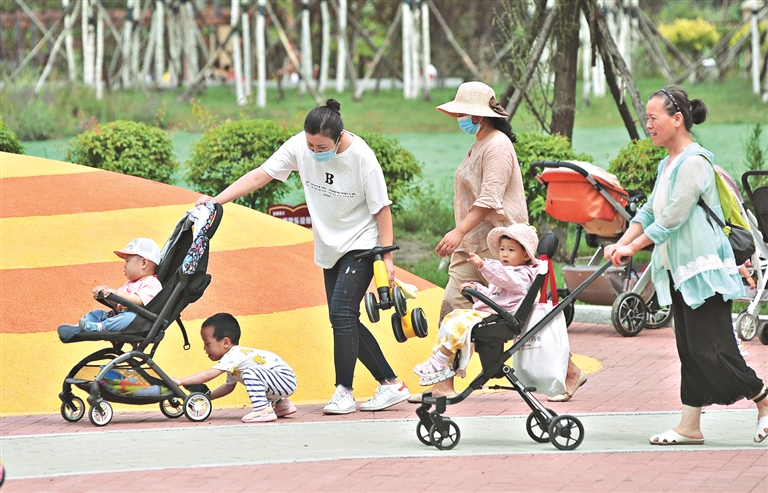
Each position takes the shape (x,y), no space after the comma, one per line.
(132,377)
(543,425)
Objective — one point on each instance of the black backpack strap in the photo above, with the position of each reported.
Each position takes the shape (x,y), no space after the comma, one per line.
(710,213)
(183,333)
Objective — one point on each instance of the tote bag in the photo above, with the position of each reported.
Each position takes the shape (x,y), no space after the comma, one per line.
(542,362)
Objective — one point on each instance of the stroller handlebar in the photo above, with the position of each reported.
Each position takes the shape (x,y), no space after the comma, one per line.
(139,310)
(469,293)
(536,165)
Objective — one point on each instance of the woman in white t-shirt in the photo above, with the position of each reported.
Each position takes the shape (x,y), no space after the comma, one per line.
(349,205)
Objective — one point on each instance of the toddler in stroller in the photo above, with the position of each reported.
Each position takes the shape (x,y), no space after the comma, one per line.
(141,258)
(113,374)
(509,278)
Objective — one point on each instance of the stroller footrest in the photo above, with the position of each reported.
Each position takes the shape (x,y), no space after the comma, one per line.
(76,381)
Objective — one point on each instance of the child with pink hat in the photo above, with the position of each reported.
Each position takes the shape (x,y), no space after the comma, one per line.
(509,279)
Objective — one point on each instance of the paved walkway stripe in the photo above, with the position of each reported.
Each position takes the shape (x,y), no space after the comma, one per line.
(152,449)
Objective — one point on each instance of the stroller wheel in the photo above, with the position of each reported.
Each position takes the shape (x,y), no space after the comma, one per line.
(172,408)
(401,307)
(746,326)
(657,316)
(538,428)
(446,439)
(102,415)
(628,314)
(422,433)
(566,432)
(763,333)
(73,409)
(370,308)
(197,407)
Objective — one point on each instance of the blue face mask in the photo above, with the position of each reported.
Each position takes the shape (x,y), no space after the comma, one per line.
(465,123)
(322,157)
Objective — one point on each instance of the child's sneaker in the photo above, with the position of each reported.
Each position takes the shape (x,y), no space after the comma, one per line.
(342,402)
(90,326)
(386,396)
(263,416)
(283,407)
(438,375)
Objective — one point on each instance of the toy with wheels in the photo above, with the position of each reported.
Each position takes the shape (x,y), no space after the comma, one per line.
(406,322)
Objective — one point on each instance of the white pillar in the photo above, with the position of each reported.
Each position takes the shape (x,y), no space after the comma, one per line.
(247,52)
(237,59)
(325,52)
(261,64)
(97,79)
(69,41)
(341,57)
(306,45)
(407,24)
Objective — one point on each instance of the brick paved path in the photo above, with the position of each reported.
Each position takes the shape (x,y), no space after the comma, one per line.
(639,375)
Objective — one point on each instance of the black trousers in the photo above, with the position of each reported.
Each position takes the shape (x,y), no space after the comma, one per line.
(713,371)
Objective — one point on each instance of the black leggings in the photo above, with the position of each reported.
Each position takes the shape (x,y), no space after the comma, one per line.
(713,371)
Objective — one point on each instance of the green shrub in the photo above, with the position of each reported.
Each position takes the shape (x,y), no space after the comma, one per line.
(400,167)
(9,142)
(125,147)
(637,164)
(227,152)
(531,147)
(755,157)
(691,36)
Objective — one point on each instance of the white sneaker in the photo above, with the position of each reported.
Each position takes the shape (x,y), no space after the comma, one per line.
(386,396)
(443,373)
(342,402)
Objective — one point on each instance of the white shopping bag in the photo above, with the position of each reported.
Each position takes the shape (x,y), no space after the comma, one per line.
(542,362)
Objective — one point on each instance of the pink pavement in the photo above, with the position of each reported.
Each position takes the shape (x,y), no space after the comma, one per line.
(639,374)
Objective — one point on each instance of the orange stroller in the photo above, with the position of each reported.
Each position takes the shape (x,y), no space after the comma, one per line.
(592,198)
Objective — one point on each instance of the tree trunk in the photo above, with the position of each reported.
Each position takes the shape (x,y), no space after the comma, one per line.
(237,59)
(566,62)
(426,53)
(99,70)
(406,35)
(69,41)
(88,43)
(306,45)
(325,50)
(341,56)
(158,21)
(261,57)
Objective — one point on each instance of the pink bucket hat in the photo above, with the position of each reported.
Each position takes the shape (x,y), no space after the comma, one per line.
(523,233)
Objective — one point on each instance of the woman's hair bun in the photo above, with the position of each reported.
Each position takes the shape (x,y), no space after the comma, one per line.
(334,105)
(699,111)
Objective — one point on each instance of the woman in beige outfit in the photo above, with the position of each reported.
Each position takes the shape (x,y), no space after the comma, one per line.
(488,193)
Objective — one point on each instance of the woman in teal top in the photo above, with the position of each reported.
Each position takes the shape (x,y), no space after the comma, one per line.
(693,269)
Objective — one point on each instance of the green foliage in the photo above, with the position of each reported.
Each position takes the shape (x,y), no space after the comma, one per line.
(746,30)
(9,142)
(426,212)
(531,147)
(755,157)
(125,147)
(637,164)
(227,152)
(691,36)
(400,167)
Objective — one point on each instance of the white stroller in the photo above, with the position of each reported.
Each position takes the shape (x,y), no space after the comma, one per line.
(747,323)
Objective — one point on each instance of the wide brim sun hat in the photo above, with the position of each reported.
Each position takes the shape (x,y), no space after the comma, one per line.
(476,99)
(523,233)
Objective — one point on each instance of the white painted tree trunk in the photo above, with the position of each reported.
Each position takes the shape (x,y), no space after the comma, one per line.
(125,73)
(174,48)
(624,32)
(237,59)
(148,53)
(325,51)
(261,64)
(159,25)
(67,31)
(407,25)
(190,41)
(426,48)
(341,55)
(586,60)
(98,75)
(136,40)
(755,49)
(247,53)
(69,41)
(88,43)
(416,50)
(598,72)
(306,45)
